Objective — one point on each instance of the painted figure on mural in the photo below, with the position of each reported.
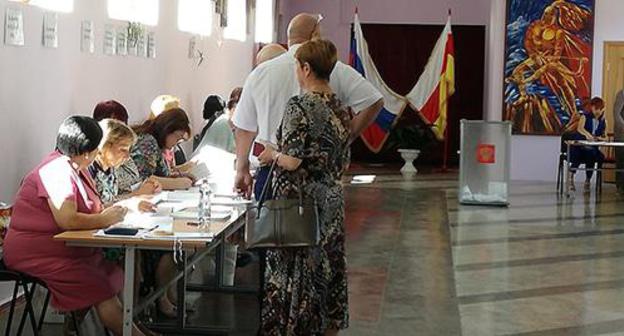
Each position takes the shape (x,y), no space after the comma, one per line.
(547,64)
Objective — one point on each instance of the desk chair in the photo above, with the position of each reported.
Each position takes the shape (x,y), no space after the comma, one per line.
(609,158)
(563,158)
(29,284)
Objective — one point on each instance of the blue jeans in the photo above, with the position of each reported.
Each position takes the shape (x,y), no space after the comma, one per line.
(262,175)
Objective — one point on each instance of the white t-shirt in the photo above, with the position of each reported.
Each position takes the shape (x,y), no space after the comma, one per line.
(269,87)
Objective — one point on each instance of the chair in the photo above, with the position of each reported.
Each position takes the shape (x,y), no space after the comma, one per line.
(563,158)
(24,280)
(609,158)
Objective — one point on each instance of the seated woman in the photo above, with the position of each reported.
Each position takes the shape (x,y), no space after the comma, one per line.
(220,133)
(214,107)
(154,136)
(127,176)
(591,126)
(57,196)
(175,158)
(113,151)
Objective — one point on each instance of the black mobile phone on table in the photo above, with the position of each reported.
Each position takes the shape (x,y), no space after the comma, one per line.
(121,231)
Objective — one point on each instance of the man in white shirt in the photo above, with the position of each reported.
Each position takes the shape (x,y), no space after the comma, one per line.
(269,87)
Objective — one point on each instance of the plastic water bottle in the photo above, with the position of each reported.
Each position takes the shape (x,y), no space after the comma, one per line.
(204,204)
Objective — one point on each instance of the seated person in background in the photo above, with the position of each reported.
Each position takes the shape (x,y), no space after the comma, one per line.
(58,196)
(232,103)
(220,134)
(154,137)
(110,109)
(213,109)
(114,149)
(127,175)
(592,126)
(160,104)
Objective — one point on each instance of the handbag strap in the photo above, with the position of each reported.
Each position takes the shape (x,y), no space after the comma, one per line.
(268,184)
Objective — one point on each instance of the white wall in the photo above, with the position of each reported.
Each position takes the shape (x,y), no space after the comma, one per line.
(535,157)
(39,87)
(608,27)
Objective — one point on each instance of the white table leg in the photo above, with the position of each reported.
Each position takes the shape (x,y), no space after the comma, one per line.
(128,292)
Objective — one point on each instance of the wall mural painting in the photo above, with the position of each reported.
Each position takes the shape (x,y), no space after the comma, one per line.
(548,53)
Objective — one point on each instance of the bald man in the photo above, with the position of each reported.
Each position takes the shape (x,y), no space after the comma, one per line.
(269,52)
(268,89)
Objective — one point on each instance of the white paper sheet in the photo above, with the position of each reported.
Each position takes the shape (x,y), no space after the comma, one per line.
(144,221)
(14,27)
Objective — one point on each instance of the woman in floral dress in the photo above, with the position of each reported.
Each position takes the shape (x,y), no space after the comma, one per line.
(305,291)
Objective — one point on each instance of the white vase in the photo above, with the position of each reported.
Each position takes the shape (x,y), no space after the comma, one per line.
(409,155)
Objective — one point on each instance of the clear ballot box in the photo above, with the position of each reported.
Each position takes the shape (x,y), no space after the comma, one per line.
(484,162)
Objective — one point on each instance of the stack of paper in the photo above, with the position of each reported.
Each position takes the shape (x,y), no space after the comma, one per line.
(144,220)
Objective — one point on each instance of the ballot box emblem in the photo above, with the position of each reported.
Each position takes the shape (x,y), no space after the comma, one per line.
(486,154)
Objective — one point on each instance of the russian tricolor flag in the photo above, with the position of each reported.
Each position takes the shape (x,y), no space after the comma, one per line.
(377,133)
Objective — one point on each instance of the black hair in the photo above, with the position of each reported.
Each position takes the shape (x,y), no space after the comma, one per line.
(78,135)
(213,106)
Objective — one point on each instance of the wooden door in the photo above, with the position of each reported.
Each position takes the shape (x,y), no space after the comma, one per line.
(612,83)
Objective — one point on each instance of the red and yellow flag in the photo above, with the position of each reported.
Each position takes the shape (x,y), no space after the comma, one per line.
(436,84)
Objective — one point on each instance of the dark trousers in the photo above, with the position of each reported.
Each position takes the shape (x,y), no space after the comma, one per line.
(587,155)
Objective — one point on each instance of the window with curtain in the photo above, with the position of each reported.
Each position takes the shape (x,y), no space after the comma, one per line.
(236,28)
(65,6)
(195,16)
(265,21)
(142,11)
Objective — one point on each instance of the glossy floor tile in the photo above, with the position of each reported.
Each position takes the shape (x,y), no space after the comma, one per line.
(422,264)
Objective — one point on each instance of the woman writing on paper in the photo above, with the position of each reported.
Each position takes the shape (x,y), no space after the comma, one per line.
(592,127)
(58,196)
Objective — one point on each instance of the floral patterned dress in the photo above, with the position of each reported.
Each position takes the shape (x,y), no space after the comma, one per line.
(127,176)
(306,288)
(108,189)
(148,157)
(106,182)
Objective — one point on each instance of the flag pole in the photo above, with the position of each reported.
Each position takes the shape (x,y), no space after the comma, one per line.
(446,142)
(445,158)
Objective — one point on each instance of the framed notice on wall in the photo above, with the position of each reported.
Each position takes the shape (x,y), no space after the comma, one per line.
(122,41)
(109,40)
(151,45)
(141,46)
(14,27)
(50,30)
(87,37)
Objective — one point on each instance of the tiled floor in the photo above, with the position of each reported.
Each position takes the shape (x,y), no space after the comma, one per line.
(421,264)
